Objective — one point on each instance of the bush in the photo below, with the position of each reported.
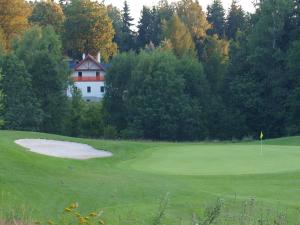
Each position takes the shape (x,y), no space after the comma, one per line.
(110,132)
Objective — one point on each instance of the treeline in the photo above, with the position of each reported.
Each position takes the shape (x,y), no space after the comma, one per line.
(184,74)
(209,75)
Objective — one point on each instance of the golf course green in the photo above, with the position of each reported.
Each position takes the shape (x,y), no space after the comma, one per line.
(128,186)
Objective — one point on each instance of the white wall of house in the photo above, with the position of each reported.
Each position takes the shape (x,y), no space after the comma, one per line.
(95,90)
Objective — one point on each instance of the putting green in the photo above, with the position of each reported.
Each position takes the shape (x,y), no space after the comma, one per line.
(226,159)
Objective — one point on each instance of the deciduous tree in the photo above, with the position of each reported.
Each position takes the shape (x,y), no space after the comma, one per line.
(88,29)
(13,18)
(47,13)
(180,38)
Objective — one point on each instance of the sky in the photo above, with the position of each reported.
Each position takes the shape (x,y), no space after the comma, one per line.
(137,5)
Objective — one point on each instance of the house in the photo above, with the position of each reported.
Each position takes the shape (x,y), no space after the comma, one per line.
(89,77)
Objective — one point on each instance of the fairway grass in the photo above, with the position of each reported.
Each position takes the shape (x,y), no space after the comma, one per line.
(129,185)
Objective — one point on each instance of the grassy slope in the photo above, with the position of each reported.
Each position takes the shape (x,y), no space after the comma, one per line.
(47,185)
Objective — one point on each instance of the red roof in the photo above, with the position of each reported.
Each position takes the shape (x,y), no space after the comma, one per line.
(91,58)
(89,79)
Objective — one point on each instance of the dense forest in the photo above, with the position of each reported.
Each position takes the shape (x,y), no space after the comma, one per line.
(185,73)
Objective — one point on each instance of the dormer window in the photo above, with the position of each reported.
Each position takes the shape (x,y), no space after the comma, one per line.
(79,74)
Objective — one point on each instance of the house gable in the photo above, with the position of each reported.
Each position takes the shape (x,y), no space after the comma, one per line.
(89,63)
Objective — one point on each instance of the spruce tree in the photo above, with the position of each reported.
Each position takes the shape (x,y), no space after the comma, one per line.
(216,16)
(236,20)
(128,42)
(145,29)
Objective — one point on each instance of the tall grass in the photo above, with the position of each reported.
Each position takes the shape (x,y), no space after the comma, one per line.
(220,212)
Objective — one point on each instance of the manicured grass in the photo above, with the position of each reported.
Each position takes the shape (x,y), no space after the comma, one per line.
(129,185)
(221,159)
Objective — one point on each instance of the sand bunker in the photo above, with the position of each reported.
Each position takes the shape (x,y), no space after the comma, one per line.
(62,149)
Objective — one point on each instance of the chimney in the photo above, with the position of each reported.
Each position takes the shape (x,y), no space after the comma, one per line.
(83,56)
(99,57)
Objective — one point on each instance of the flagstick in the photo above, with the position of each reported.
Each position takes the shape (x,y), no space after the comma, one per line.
(261,150)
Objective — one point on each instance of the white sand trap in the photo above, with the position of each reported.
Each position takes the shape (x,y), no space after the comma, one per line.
(62,149)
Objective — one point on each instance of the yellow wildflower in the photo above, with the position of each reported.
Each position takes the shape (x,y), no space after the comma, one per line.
(82,220)
(67,210)
(87,218)
(93,214)
(77,214)
(101,222)
(50,222)
(74,205)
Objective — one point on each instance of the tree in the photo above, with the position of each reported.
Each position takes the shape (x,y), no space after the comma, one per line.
(179,37)
(41,51)
(92,123)
(117,80)
(1,100)
(235,20)
(21,108)
(88,29)
(128,41)
(75,118)
(293,122)
(13,19)
(116,17)
(145,28)
(192,15)
(194,124)
(216,16)
(215,59)
(48,13)
(155,97)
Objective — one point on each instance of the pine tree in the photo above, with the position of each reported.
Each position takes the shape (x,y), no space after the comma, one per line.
(216,16)
(128,41)
(145,29)
(236,20)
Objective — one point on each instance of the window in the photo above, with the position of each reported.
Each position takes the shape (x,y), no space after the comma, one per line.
(97,73)
(80,74)
(102,89)
(88,89)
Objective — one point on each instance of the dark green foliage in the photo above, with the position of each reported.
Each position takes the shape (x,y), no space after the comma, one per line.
(21,107)
(216,17)
(146,27)
(117,83)
(236,20)
(76,115)
(92,120)
(116,17)
(156,97)
(41,51)
(128,38)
